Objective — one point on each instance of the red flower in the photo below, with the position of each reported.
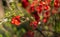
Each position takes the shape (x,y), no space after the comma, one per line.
(25,3)
(36,16)
(47,14)
(47,8)
(44,20)
(32,8)
(34,24)
(56,3)
(39,9)
(42,3)
(16,20)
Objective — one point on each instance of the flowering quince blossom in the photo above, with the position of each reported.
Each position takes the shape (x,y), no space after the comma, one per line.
(42,3)
(47,8)
(25,3)
(34,13)
(44,20)
(31,17)
(36,16)
(16,20)
(47,14)
(37,7)
(56,3)
(34,24)
(32,8)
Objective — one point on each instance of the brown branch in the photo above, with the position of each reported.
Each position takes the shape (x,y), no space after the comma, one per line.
(1,10)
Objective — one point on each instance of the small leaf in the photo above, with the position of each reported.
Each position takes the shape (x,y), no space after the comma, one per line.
(23,30)
(7,35)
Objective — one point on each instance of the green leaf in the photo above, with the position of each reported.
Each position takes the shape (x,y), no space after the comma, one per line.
(52,3)
(14,29)
(6,34)
(1,35)
(23,30)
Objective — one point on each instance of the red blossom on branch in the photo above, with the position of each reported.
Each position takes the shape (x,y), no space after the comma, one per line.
(34,24)
(16,20)
(25,3)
